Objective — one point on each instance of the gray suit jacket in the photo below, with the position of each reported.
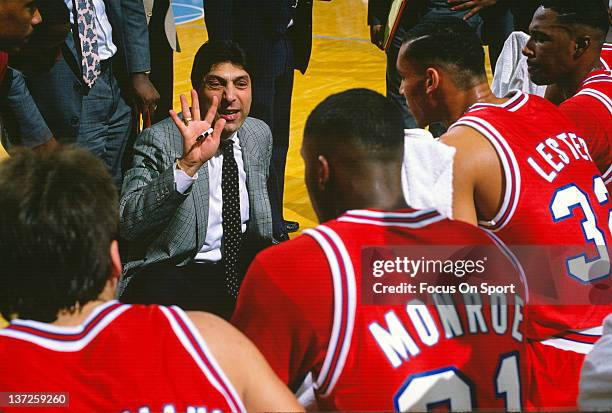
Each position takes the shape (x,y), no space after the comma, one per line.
(58,94)
(159,223)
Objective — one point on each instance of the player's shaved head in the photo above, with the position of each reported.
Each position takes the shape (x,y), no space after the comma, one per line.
(357,119)
(353,149)
(590,14)
(448,43)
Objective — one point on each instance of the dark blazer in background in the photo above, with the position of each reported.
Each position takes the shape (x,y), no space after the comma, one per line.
(273,52)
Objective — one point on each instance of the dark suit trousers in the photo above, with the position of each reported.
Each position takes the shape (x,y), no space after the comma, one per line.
(272,104)
(162,70)
(105,122)
(192,287)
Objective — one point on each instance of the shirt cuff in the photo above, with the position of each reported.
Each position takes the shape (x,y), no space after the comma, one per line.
(182,181)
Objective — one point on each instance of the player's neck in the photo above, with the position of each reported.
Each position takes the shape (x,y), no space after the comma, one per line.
(384,195)
(66,318)
(463,99)
(569,86)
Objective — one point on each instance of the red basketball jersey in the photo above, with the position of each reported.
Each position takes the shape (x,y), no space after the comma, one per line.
(123,358)
(591,110)
(606,56)
(303,305)
(554,198)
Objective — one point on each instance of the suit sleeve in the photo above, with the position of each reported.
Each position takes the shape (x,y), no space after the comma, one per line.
(285,307)
(596,376)
(136,36)
(149,198)
(31,126)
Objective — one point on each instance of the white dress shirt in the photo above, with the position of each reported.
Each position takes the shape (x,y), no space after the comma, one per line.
(211,250)
(106,47)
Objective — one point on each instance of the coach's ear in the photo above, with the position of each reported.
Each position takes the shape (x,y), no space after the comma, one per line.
(115,261)
(323,172)
(432,80)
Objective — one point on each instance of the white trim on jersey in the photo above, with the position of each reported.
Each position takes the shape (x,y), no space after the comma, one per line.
(509,165)
(601,97)
(367,213)
(391,219)
(65,345)
(568,345)
(603,63)
(607,176)
(514,99)
(513,259)
(344,310)
(594,331)
(224,386)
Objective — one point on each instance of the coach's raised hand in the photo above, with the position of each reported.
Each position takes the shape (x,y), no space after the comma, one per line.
(197,149)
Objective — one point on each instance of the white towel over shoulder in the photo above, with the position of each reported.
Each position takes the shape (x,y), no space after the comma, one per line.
(427,172)
(511,68)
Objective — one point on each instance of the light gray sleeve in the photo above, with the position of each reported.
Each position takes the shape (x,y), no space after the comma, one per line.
(149,198)
(32,128)
(596,376)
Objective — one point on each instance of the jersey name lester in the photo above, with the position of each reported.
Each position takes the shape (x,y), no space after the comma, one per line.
(554,153)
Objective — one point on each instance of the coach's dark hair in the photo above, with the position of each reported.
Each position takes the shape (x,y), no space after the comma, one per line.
(214,52)
(58,217)
(590,13)
(359,117)
(448,42)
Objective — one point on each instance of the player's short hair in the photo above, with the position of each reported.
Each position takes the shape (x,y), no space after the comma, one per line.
(590,13)
(359,117)
(214,52)
(448,42)
(58,217)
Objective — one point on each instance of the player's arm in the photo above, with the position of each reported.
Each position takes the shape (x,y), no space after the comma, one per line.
(259,388)
(477,180)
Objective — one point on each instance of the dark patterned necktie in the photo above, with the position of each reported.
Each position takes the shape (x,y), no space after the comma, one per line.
(232,235)
(90,59)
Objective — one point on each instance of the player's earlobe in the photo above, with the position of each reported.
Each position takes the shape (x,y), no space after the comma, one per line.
(115,270)
(323,172)
(581,45)
(432,80)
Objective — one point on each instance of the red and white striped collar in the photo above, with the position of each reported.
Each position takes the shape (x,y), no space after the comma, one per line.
(66,338)
(516,101)
(404,217)
(596,76)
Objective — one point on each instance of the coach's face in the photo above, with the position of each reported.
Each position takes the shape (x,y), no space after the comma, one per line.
(550,49)
(232,86)
(17,21)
